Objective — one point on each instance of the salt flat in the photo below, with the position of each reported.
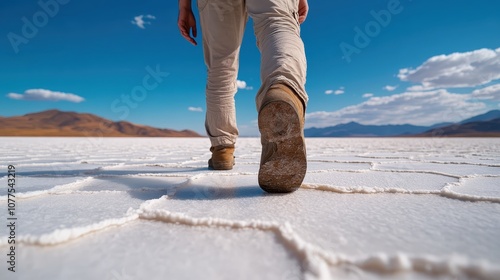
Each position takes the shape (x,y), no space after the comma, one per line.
(148,208)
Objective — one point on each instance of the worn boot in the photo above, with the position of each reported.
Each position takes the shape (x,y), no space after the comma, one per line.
(222,157)
(283,161)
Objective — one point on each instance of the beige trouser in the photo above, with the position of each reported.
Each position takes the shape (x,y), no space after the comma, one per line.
(282,55)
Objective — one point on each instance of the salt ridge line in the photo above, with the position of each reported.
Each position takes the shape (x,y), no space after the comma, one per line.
(462,163)
(67,189)
(172,175)
(166,165)
(404,171)
(423,160)
(59,236)
(364,189)
(314,260)
(103,162)
(186,162)
(384,157)
(429,265)
(140,175)
(318,171)
(474,176)
(408,160)
(435,173)
(58,189)
(418,171)
(113,166)
(431,172)
(481,175)
(386,171)
(440,162)
(143,158)
(31,164)
(163,165)
(166,175)
(338,161)
(446,191)
(69,192)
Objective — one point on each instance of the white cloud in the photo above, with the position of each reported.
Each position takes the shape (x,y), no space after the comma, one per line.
(390,88)
(195,109)
(455,70)
(339,91)
(418,88)
(140,22)
(428,101)
(488,93)
(243,85)
(336,92)
(417,108)
(46,95)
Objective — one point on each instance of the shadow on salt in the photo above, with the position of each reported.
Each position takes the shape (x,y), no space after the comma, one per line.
(142,188)
(204,192)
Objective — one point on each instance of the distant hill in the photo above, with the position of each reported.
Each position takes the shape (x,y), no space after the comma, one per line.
(489,128)
(484,117)
(354,129)
(478,126)
(59,123)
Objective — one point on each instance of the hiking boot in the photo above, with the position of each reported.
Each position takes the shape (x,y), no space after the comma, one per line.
(222,157)
(283,161)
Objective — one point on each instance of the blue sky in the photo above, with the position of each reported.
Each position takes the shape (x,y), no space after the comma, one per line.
(431,62)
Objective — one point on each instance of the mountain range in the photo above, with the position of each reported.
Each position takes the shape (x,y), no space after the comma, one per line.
(59,123)
(484,125)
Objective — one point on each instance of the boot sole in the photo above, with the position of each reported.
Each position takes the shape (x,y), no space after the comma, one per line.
(284,170)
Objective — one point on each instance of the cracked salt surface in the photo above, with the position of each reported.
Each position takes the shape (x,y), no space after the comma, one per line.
(141,208)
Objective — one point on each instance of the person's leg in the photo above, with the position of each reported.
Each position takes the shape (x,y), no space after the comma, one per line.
(222,23)
(281,100)
(283,59)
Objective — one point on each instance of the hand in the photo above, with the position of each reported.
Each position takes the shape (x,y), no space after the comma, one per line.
(303,10)
(187,23)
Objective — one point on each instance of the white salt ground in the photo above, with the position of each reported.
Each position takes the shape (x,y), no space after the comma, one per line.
(143,208)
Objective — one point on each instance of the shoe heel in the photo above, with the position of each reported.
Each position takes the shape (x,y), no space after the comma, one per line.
(222,165)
